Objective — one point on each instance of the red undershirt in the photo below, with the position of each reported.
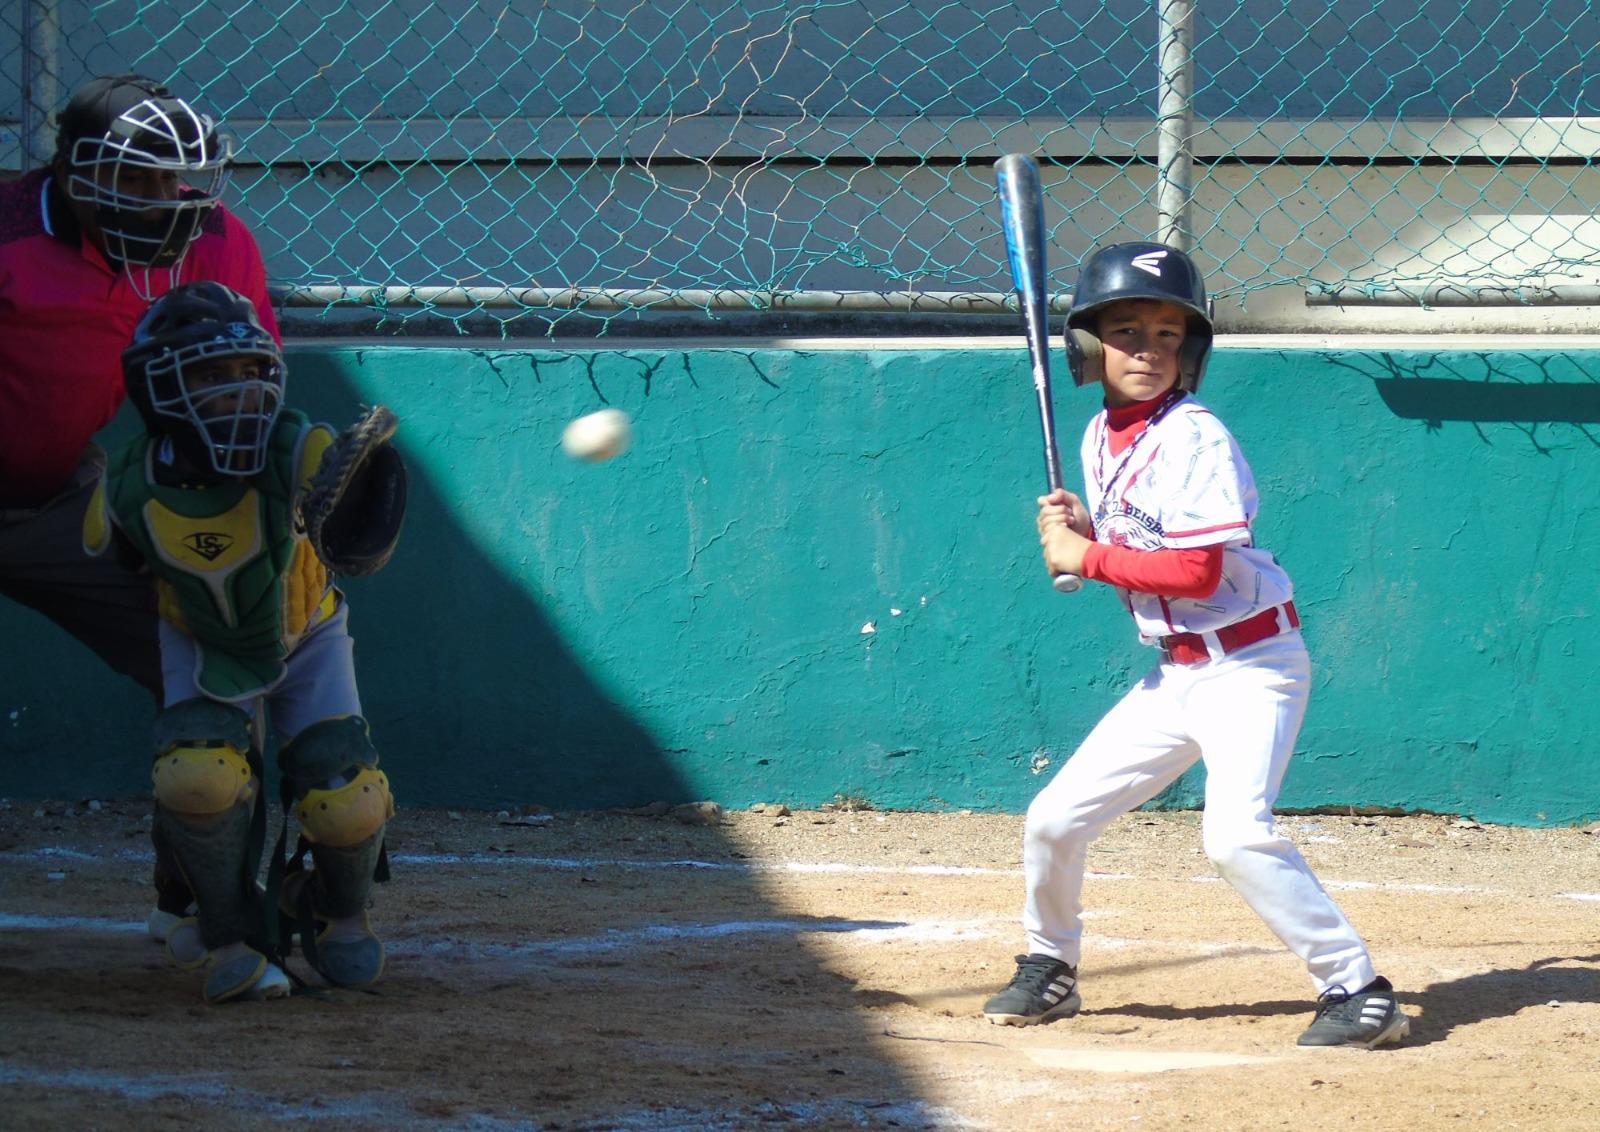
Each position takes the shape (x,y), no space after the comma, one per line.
(66,315)
(1192,572)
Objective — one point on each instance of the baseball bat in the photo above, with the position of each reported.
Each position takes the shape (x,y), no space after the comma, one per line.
(1022,219)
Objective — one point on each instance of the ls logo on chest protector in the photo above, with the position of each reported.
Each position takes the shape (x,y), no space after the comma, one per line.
(209,545)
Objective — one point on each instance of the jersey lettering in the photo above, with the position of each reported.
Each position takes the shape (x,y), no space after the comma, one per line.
(1127,525)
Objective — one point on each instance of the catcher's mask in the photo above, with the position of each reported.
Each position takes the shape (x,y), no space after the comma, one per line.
(1138,271)
(203,371)
(149,165)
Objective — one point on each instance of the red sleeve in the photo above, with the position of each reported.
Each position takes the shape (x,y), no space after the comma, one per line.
(252,273)
(229,255)
(1192,572)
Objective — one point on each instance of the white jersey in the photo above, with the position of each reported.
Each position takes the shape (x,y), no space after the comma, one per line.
(1182,483)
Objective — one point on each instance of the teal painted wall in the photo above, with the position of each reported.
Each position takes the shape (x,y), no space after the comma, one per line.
(688,621)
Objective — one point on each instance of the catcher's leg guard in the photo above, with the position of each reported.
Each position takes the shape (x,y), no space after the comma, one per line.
(208,813)
(172,891)
(342,803)
(174,901)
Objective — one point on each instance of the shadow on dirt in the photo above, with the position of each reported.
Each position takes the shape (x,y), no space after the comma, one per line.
(1543,984)
(514,995)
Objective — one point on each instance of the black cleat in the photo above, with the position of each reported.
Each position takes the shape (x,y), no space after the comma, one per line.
(1369,1018)
(1043,988)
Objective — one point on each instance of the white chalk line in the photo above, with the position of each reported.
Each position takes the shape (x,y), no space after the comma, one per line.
(867,931)
(218,1093)
(802,867)
(26,923)
(210,1090)
(1380,886)
(512,860)
(53,852)
(575,863)
(452,950)
(916,1116)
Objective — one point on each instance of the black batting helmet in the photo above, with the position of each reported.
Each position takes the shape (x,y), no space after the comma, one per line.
(1137,271)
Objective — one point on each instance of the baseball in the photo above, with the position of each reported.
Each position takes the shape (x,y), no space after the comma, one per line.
(598,436)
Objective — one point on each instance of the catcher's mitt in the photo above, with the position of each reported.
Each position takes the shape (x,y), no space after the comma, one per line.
(357,499)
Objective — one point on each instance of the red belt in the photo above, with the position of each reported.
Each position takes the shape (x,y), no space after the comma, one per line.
(1193,648)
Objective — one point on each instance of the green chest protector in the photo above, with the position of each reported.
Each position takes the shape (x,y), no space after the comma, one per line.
(230,565)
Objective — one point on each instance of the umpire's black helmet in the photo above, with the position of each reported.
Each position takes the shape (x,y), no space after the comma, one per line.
(124,124)
(1137,271)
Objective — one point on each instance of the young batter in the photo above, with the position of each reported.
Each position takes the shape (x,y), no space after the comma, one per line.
(1167,522)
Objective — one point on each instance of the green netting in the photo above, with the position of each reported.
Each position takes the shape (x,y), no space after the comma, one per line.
(494,160)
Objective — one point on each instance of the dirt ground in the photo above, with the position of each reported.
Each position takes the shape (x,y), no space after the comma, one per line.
(813,970)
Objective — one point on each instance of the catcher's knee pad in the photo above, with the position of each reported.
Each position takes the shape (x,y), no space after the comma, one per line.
(341,798)
(202,763)
(206,792)
(342,803)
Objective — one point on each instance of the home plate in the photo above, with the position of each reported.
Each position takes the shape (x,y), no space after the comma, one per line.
(1137,1061)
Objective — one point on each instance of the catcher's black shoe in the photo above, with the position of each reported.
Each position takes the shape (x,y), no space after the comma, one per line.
(1369,1018)
(1043,988)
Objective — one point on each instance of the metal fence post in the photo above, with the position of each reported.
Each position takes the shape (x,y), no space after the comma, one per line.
(1175,115)
(41,80)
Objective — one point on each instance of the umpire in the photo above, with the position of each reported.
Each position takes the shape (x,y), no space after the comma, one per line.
(128,208)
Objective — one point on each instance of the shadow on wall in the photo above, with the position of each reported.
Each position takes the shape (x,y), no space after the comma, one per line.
(454,656)
(1477,388)
(458,649)
(449,649)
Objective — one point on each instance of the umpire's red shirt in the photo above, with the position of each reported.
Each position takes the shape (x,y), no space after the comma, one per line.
(66,316)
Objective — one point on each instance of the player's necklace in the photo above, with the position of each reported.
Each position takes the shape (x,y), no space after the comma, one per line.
(1174,395)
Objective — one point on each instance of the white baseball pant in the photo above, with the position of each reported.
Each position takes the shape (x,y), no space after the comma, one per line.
(1240,713)
(320,682)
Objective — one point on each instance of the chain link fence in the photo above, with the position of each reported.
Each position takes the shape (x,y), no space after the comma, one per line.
(522,163)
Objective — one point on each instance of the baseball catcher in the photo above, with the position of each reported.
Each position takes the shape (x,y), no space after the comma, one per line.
(244,511)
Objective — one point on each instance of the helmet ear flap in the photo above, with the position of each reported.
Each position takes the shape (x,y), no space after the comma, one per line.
(1195,351)
(1191,359)
(1086,356)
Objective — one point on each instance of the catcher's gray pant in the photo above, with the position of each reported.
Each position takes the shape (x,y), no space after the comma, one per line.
(98,600)
(1241,714)
(320,682)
